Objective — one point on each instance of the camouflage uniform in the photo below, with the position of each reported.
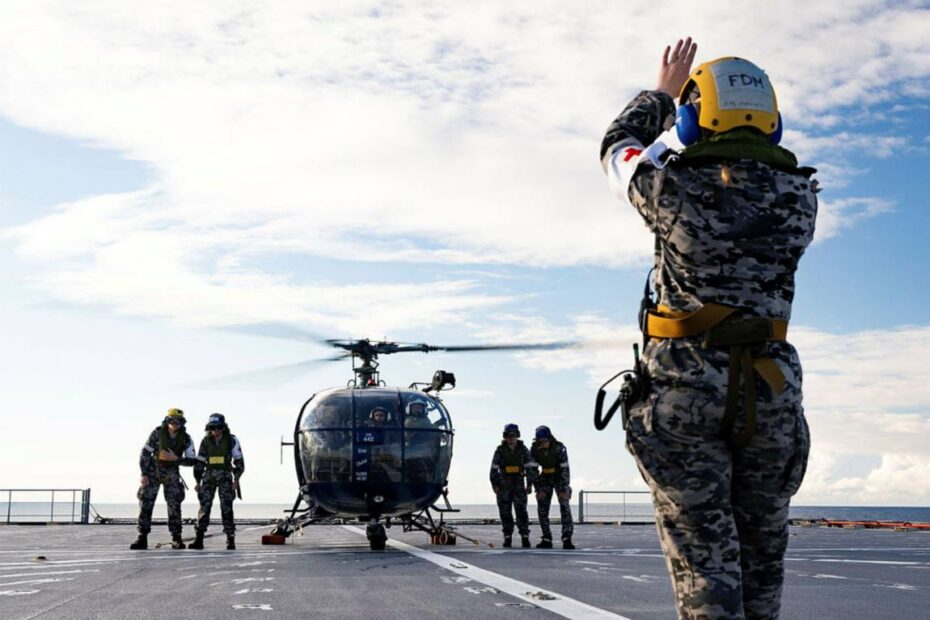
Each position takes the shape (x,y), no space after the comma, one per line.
(557,482)
(161,473)
(730,233)
(510,488)
(212,480)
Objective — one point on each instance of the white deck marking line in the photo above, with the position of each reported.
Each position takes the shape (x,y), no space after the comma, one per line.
(56,572)
(560,604)
(52,580)
(888,562)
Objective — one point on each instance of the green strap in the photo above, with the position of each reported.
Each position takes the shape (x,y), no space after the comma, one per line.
(740,367)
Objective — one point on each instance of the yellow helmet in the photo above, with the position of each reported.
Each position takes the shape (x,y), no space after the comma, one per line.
(175,415)
(733,93)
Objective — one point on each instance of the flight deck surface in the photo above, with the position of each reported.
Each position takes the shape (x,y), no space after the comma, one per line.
(329,571)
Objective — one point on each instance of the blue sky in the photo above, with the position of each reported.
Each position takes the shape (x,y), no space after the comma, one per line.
(377,170)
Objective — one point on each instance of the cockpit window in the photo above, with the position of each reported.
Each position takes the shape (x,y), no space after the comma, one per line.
(375,435)
(330,411)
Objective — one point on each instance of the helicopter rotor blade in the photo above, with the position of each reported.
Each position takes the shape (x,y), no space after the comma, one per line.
(275,329)
(266,377)
(426,348)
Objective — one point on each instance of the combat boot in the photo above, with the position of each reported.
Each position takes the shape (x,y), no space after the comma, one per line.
(508,541)
(567,543)
(545,543)
(525,542)
(198,542)
(142,542)
(231,543)
(177,543)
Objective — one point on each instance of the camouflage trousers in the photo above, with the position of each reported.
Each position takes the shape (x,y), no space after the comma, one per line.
(170,478)
(721,510)
(511,498)
(212,482)
(544,493)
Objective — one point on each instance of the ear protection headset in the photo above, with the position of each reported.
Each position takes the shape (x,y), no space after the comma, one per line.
(689,131)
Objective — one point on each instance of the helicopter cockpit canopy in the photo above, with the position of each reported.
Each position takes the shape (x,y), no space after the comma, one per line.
(390,435)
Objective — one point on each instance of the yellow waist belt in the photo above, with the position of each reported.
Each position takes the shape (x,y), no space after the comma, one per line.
(512,469)
(720,327)
(548,470)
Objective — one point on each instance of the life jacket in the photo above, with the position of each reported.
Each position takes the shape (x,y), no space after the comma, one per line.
(548,459)
(740,144)
(219,454)
(513,459)
(177,445)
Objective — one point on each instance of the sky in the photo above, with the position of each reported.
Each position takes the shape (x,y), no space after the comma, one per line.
(423,172)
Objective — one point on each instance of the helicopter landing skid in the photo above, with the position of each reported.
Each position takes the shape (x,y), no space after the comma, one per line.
(297,520)
(439,532)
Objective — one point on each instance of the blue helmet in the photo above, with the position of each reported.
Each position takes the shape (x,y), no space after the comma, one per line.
(511,429)
(217,420)
(543,432)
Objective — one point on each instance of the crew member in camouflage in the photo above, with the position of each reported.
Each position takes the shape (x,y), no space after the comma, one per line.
(219,467)
(168,447)
(729,230)
(554,477)
(512,464)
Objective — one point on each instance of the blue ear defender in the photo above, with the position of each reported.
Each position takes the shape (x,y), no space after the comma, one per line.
(686,124)
(689,132)
(775,136)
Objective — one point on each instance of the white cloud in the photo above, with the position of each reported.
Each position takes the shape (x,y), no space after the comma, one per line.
(389,133)
(833,216)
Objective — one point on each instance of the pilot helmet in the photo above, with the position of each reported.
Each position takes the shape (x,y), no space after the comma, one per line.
(375,410)
(416,402)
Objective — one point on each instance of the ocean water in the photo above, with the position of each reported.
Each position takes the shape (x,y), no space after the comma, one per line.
(65,511)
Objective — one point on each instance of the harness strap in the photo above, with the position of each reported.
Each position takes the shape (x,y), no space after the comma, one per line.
(742,337)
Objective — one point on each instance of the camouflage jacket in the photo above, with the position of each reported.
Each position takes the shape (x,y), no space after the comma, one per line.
(726,232)
(499,477)
(148,457)
(563,477)
(238,462)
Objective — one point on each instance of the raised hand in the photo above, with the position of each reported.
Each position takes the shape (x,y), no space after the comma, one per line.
(675,68)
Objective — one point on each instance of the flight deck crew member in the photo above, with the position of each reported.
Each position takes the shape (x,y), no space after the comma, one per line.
(219,467)
(719,433)
(511,463)
(554,477)
(168,447)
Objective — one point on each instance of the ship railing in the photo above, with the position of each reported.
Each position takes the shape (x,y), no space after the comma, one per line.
(45,505)
(622,507)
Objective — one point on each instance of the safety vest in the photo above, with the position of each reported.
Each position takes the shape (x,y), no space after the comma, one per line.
(513,459)
(177,445)
(548,459)
(219,455)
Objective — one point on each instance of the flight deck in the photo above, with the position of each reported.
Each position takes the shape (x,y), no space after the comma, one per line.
(87,571)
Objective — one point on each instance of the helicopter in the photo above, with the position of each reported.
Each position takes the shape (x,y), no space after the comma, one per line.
(377,453)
